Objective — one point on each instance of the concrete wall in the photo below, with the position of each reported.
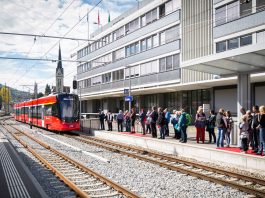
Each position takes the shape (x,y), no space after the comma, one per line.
(226,98)
(260,95)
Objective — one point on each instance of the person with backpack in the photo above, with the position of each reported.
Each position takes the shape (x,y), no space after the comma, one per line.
(174,122)
(182,123)
(210,126)
(161,122)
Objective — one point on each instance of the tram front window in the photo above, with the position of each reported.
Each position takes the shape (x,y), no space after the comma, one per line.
(68,107)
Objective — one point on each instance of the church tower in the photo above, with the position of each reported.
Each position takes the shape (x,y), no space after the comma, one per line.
(59,74)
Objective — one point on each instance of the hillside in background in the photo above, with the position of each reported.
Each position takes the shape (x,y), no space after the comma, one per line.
(17,95)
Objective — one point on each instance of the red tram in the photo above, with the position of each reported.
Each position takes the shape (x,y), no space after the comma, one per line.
(58,112)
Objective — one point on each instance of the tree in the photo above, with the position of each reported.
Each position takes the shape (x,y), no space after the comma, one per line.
(40,94)
(5,96)
(47,90)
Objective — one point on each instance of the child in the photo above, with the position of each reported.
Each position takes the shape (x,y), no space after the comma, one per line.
(243,126)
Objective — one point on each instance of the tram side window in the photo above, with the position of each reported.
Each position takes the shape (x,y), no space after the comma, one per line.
(55,111)
(34,112)
(39,112)
(26,110)
(48,110)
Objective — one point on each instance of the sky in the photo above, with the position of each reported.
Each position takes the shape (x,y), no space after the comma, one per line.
(50,18)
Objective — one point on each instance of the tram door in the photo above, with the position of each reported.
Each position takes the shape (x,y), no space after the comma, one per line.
(42,116)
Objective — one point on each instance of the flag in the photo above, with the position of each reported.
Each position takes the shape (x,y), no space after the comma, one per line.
(98,19)
(109,18)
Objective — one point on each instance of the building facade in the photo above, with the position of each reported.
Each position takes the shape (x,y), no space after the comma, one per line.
(155,49)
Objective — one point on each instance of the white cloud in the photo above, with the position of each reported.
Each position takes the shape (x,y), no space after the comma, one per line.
(34,17)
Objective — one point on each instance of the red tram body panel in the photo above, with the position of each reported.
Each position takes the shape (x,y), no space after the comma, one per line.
(58,112)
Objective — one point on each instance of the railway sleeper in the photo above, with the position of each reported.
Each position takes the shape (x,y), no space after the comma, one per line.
(83,180)
(97,189)
(90,185)
(72,174)
(105,195)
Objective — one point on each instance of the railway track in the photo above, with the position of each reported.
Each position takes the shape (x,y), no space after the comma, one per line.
(252,185)
(82,180)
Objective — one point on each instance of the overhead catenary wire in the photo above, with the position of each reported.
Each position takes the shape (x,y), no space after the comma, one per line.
(43,36)
(59,40)
(40,59)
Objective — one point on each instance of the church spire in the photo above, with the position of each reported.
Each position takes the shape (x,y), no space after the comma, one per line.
(59,63)
(59,73)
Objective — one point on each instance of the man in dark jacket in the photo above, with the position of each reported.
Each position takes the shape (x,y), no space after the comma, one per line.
(101,119)
(154,117)
(161,122)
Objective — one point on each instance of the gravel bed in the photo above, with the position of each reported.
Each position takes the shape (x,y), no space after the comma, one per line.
(52,186)
(147,179)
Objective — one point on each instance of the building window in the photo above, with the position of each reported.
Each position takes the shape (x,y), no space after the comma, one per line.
(162,38)
(155,41)
(233,11)
(175,61)
(261,37)
(143,45)
(134,71)
(169,63)
(246,40)
(245,7)
(162,11)
(149,43)
(118,75)
(232,43)
(149,17)
(171,34)
(162,64)
(143,21)
(132,49)
(169,7)
(220,15)
(119,54)
(260,5)
(132,26)
(106,78)
(148,68)
(221,46)
(96,80)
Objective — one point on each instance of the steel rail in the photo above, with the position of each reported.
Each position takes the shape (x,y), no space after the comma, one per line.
(70,184)
(189,163)
(105,180)
(245,188)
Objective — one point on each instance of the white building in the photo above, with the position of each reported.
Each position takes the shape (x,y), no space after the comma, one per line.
(177,54)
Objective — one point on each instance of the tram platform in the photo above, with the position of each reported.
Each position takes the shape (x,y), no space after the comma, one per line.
(15,178)
(203,152)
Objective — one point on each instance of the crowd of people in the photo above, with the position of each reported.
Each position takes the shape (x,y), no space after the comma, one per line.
(251,127)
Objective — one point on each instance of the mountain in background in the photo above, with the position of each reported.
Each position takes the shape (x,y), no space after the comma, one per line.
(17,95)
